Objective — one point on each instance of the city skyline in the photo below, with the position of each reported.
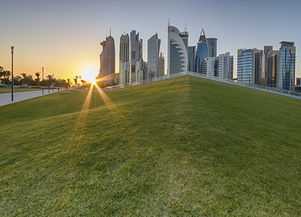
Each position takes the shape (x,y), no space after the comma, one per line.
(68,43)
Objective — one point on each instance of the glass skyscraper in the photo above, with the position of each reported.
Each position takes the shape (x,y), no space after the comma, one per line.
(212,47)
(177,51)
(286,69)
(191,58)
(201,52)
(245,66)
(153,50)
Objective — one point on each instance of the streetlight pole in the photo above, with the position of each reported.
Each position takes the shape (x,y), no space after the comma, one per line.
(42,80)
(12,73)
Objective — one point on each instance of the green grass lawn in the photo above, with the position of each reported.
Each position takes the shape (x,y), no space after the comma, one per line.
(180,147)
(8,90)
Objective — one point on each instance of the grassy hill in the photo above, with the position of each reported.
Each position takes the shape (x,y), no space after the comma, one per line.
(180,147)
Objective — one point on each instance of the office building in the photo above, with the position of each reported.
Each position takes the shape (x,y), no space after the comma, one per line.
(153,49)
(124,59)
(225,67)
(247,67)
(177,52)
(209,67)
(201,52)
(107,60)
(212,47)
(161,65)
(135,54)
(286,66)
(191,58)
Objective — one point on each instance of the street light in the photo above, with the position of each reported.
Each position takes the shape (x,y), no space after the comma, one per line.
(12,73)
(42,80)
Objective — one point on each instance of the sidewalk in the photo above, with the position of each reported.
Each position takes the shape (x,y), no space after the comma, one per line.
(5,98)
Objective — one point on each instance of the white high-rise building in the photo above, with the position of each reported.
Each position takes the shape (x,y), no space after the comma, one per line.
(153,49)
(209,67)
(225,67)
(177,51)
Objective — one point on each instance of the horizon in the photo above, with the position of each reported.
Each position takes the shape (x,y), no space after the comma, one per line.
(68,43)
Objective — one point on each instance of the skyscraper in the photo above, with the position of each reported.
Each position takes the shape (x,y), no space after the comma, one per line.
(270,66)
(212,47)
(191,58)
(153,49)
(209,66)
(246,65)
(135,54)
(161,64)
(177,52)
(201,52)
(124,59)
(107,60)
(225,67)
(286,69)
(184,36)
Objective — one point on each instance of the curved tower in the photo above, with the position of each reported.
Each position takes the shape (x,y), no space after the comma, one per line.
(177,52)
(201,52)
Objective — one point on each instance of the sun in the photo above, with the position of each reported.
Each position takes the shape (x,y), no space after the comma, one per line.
(89,74)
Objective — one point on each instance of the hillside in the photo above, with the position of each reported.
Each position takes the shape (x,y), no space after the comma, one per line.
(180,147)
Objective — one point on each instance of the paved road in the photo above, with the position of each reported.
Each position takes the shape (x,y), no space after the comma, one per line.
(5,98)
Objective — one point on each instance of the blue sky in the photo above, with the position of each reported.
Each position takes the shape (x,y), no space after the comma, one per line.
(64,35)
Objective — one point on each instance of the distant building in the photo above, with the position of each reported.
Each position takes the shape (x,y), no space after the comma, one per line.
(209,67)
(107,60)
(298,84)
(286,69)
(191,58)
(177,51)
(212,47)
(258,66)
(161,64)
(135,53)
(153,49)
(141,70)
(247,67)
(271,66)
(201,52)
(124,59)
(225,67)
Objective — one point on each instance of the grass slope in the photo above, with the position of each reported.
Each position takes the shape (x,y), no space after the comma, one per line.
(181,147)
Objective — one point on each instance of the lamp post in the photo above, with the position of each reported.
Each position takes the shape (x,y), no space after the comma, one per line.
(12,73)
(42,80)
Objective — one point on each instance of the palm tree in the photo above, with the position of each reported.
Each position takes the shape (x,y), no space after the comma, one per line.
(38,74)
(23,81)
(75,80)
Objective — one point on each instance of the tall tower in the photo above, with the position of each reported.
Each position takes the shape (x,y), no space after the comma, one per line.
(212,47)
(135,53)
(201,52)
(107,60)
(286,69)
(177,52)
(153,49)
(124,59)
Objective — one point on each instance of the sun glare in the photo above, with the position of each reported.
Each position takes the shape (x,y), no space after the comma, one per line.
(89,74)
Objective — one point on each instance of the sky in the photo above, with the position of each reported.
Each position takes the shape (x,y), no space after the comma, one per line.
(64,35)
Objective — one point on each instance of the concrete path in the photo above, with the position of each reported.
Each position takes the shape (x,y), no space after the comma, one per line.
(5,98)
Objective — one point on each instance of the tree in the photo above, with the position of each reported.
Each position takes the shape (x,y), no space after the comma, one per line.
(23,80)
(75,80)
(38,74)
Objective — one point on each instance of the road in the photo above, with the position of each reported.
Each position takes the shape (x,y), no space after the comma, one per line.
(5,98)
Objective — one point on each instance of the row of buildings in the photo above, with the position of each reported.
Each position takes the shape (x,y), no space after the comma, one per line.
(132,67)
(201,58)
(274,68)
(268,67)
